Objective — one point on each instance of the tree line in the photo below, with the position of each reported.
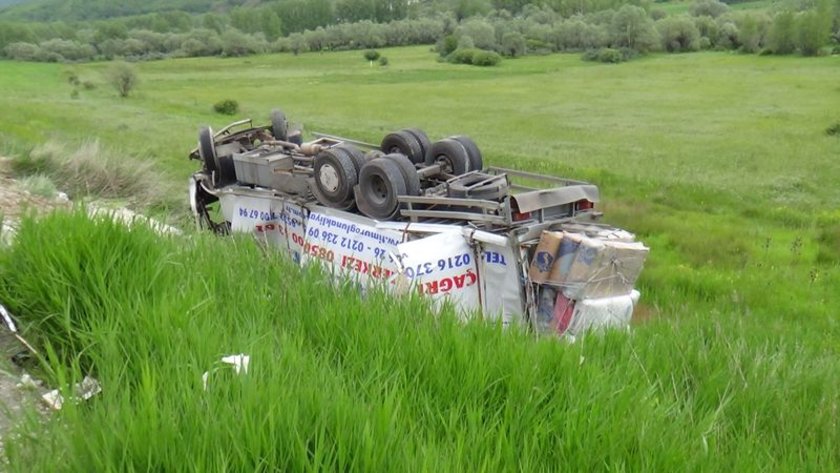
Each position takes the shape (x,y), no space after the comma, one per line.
(622,30)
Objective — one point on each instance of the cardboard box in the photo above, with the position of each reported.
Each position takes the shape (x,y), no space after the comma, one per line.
(565,256)
(544,256)
(604,269)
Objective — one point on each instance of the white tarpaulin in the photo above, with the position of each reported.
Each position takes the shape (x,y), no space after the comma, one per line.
(475,270)
(501,284)
(350,247)
(443,267)
(278,221)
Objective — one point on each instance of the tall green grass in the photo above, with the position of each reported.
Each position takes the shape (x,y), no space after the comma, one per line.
(341,382)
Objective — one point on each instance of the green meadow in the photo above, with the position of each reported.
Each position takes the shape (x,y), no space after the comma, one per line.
(719,162)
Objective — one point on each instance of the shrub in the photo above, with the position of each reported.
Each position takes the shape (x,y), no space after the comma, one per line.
(88,85)
(782,36)
(226,107)
(23,51)
(383,61)
(465,42)
(712,8)
(236,43)
(833,130)
(727,36)
(40,185)
(678,34)
(578,35)
(371,55)
(513,44)
(122,77)
(94,170)
(461,56)
(752,28)
(72,78)
(609,55)
(631,27)
(480,31)
(813,31)
(446,45)
(486,58)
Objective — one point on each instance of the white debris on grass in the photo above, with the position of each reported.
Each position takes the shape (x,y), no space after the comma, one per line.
(28,382)
(239,363)
(130,217)
(7,233)
(83,391)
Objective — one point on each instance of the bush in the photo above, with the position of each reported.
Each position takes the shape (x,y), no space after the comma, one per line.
(122,77)
(480,31)
(578,35)
(513,44)
(446,45)
(782,36)
(486,58)
(40,185)
(727,36)
(461,56)
(712,8)
(678,34)
(631,27)
(752,28)
(21,51)
(383,61)
(93,170)
(833,130)
(609,55)
(88,85)
(236,43)
(371,55)
(813,31)
(226,107)
(73,78)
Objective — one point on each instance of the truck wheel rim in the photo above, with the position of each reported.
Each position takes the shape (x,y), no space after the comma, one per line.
(329,178)
(379,189)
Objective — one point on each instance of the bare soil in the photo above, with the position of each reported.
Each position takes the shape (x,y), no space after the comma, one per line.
(14,395)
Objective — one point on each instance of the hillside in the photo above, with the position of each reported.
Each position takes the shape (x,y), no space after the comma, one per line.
(7,3)
(60,10)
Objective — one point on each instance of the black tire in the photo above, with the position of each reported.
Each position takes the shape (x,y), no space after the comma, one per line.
(409,172)
(279,125)
(404,143)
(380,182)
(207,148)
(335,175)
(452,154)
(423,139)
(476,161)
(359,159)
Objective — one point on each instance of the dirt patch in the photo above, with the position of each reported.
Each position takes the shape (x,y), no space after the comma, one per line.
(15,395)
(15,201)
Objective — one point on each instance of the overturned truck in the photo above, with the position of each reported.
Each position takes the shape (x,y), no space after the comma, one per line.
(508,245)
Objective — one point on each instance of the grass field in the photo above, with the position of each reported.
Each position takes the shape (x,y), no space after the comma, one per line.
(677,7)
(718,161)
